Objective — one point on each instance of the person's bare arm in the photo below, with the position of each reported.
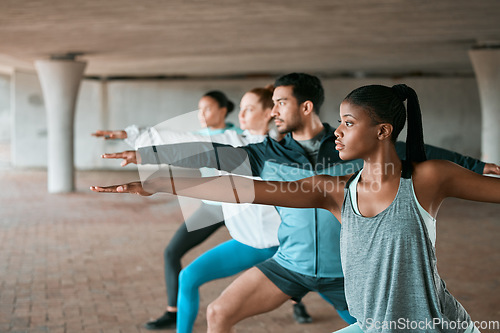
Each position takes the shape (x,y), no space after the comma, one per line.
(314,192)
(461,183)
(435,180)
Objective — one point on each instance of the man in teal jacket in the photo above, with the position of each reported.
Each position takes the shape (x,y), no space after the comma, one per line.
(308,258)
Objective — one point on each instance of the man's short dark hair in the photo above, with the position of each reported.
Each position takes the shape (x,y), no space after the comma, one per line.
(305,88)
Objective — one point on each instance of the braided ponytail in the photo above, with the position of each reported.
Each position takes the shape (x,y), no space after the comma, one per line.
(415,150)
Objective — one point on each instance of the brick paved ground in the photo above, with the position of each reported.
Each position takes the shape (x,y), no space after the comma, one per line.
(88,262)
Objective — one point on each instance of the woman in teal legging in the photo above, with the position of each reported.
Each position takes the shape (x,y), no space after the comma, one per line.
(252,227)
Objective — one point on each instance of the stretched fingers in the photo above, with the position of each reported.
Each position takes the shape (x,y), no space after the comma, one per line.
(114,155)
(98,133)
(110,189)
(105,134)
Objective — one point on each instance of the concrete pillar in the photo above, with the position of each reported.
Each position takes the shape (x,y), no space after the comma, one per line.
(60,80)
(486,63)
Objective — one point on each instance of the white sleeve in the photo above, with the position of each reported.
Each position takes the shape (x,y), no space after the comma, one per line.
(149,137)
(133,133)
(229,137)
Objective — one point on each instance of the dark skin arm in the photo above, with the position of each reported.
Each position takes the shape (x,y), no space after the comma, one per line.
(436,180)
(433,180)
(315,192)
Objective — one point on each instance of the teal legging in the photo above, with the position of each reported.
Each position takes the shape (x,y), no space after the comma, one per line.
(344,314)
(224,260)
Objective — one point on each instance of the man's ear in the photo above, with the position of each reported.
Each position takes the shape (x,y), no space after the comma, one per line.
(385,131)
(307,107)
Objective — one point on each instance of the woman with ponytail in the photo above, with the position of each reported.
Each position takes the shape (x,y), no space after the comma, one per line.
(387,209)
(213,109)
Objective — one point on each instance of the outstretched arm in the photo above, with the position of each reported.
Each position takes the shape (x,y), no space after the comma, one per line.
(247,160)
(461,183)
(467,162)
(133,135)
(315,192)
(435,180)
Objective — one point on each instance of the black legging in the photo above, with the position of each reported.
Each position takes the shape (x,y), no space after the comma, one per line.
(184,241)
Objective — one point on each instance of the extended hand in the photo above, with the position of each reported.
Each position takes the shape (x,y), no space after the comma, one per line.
(129,156)
(110,134)
(491,169)
(132,188)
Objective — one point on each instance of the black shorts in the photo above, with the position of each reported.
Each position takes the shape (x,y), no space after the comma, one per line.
(297,285)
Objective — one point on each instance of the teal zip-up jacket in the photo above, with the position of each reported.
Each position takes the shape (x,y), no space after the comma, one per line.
(309,238)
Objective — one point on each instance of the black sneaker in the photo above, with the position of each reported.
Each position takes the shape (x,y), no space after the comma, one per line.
(300,314)
(168,320)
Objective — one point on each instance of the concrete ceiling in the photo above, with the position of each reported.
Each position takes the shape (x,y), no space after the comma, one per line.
(249,37)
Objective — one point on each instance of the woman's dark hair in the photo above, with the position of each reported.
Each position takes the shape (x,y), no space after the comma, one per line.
(385,105)
(265,96)
(305,88)
(221,99)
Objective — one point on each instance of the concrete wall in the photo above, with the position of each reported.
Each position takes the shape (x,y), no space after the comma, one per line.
(5,114)
(29,130)
(451,110)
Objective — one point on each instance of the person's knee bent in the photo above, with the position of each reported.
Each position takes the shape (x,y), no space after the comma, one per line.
(171,255)
(217,314)
(187,279)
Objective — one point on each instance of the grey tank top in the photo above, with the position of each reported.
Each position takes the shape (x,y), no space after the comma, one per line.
(390,270)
